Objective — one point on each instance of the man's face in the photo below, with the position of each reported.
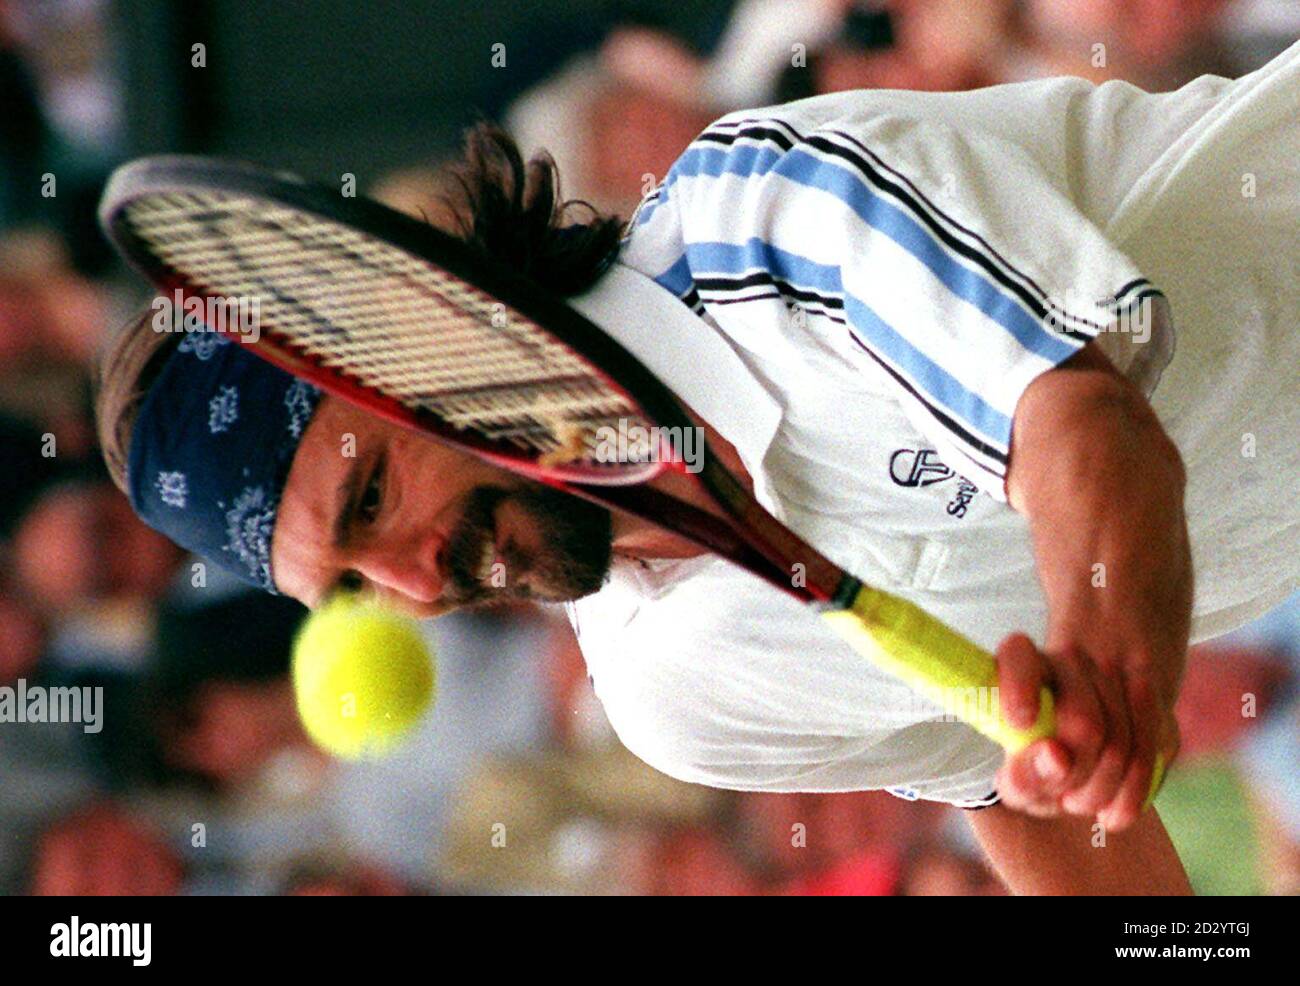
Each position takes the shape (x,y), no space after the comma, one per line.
(372,506)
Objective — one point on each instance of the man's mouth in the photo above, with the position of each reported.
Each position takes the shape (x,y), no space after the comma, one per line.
(525,544)
(487,560)
(472,550)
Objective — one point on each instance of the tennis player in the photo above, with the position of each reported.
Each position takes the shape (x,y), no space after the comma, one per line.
(1020,355)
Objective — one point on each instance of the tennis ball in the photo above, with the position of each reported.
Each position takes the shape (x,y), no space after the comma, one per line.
(362,677)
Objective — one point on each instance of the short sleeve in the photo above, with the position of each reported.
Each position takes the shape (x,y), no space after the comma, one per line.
(949,266)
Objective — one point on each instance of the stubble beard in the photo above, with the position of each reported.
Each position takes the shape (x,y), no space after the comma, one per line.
(576,539)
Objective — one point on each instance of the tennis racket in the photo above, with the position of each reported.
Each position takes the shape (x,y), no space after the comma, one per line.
(406,322)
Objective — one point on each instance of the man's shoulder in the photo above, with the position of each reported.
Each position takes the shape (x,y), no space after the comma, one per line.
(870,109)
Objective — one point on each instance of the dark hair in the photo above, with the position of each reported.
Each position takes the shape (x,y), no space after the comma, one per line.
(513,212)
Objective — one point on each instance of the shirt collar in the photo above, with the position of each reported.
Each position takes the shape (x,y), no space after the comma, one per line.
(692,357)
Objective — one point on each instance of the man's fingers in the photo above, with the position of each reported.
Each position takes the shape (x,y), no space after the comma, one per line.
(1125,807)
(1089,793)
(1080,718)
(1108,729)
(1030,780)
(1021,673)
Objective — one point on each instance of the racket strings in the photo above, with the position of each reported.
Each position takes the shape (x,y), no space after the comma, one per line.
(387,320)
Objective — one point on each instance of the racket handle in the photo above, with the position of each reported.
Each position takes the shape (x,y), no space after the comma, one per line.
(935,660)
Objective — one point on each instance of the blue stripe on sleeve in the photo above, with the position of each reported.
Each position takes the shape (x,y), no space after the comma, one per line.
(677,278)
(813,172)
(740,159)
(870,328)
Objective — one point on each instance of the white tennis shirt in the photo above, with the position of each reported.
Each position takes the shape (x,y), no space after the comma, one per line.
(855,290)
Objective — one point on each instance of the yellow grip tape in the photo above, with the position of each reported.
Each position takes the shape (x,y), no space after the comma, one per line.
(936,661)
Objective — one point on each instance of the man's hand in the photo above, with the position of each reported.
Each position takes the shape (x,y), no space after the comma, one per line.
(1109,728)
(1102,486)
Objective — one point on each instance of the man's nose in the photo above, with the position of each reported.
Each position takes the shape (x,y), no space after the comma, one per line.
(409,569)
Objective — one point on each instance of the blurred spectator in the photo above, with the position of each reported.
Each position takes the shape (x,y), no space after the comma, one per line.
(612,141)
(631,139)
(1224,695)
(61,129)
(773,50)
(229,730)
(104,851)
(42,776)
(48,312)
(931,44)
(351,881)
(871,872)
(1155,44)
(25,471)
(792,836)
(22,638)
(22,128)
(80,543)
(760,40)
(573,823)
(695,861)
(211,703)
(616,118)
(935,869)
(618,100)
(1254,31)
(1268,762)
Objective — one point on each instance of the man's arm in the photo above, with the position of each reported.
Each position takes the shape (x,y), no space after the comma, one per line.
(1072,856)
(1102,486)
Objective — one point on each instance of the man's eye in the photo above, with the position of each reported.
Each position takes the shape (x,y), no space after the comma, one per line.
(372,498)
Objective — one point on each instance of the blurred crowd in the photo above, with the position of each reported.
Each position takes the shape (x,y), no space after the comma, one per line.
(200,780)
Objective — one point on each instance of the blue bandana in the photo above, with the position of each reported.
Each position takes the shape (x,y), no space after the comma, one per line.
(211,450)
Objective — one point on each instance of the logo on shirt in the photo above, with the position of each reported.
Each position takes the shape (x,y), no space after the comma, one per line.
(922,467)
(917,467)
